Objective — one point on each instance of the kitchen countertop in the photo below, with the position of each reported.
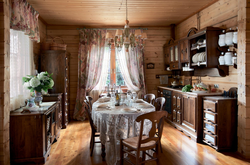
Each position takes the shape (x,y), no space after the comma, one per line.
(192,93)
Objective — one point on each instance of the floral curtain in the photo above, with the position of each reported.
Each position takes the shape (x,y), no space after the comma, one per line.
(25,18)
(90,60)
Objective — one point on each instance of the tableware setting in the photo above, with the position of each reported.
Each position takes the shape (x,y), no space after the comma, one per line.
(103,106)
(129,110)
(143,105)
(104,99)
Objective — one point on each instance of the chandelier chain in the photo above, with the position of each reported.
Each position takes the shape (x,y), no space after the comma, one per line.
(126,11)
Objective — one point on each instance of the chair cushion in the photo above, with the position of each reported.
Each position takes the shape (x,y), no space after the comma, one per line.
(133,142)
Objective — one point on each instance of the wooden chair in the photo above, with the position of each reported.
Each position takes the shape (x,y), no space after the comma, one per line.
(94,132)
(89,101)
(159,103)
(150,98)
(142,142)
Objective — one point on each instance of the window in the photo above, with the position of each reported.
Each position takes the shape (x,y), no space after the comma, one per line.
(114,72)
(20,65)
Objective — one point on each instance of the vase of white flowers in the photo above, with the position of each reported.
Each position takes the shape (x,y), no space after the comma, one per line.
(38,84)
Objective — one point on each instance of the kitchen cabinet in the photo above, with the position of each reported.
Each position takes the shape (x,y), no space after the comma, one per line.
(204,42)
(220,122)
(172,55)
(32,134)
(176,107)
(57,62)
(184,53)
(189,110)
(185,111)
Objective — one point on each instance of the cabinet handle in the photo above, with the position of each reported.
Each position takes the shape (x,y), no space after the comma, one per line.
(173,66)
(158,91)
(188,97)
(186,50)
(161,93)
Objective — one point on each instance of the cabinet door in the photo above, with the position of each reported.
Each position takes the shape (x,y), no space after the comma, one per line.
(176,53)
(184,55)
(167,55)
(174,115)
(174,101)
(189,107)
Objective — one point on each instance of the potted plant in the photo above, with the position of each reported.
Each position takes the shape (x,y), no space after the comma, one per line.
(38,84)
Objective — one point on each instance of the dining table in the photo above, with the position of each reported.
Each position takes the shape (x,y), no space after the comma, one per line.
(118,122)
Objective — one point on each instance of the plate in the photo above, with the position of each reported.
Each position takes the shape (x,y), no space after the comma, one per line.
(104,99)
(144,105)
(102,106)
(129,110)
(139,101)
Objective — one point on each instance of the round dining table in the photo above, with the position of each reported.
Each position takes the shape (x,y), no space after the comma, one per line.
(118,122)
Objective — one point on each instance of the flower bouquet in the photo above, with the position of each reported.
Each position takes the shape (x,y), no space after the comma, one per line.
(38,84)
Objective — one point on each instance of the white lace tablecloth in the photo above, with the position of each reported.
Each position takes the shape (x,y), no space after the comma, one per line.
(114,124)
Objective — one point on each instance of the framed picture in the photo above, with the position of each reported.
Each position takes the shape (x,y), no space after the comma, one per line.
(150,65)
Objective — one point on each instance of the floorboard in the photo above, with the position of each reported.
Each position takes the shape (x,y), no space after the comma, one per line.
(72,148)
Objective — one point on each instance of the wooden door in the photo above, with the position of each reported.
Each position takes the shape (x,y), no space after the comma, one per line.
(189,107)
(184,55)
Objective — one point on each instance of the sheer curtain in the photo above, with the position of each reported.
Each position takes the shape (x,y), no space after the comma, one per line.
(132,69)
(124,69)
(21,64)
(100,87)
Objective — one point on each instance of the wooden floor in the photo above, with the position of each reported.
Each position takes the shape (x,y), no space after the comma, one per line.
(72,148)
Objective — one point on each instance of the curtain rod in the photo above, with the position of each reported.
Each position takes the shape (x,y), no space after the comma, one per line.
(111,28)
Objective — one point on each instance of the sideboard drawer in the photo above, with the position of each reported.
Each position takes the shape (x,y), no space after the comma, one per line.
(209,138)
(210,127)
(210,105)
(210,116)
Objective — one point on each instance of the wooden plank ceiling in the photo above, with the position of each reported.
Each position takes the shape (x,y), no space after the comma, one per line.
(113,12)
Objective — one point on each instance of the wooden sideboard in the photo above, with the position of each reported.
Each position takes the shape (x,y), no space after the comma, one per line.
(220,122)
(31,134)
(57,62)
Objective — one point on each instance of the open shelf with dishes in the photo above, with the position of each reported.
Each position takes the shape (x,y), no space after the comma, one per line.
(203,48)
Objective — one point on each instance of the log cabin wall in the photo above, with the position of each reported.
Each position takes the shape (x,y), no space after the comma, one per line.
(226,14)
(220,14)
(5,82)
(157,37)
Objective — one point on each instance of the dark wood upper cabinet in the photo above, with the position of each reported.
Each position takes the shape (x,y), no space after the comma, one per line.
(205,41)
(184,53)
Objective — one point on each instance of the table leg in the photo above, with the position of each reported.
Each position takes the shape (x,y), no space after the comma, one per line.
(103,152)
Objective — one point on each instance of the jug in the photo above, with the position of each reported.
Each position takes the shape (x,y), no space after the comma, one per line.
(228,57)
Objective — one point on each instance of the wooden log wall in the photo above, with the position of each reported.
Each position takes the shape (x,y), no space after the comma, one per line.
(220,14)
(153,53)
(4,81)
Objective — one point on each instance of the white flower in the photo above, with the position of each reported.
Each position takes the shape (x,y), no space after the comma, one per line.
(26,84)
(34,82)
(42,76)
(51,84)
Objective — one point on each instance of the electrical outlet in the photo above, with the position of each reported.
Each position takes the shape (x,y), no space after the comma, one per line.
(216,85)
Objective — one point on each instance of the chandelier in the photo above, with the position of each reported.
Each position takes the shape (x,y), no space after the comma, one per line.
(126,38)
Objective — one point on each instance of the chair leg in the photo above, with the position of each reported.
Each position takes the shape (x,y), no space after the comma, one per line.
(157,154)
(138,158)
(160,146)
(121,152)
(91,141)
(143,156)
(93,144)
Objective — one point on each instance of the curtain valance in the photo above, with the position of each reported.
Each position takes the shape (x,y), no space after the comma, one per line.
(25,18)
